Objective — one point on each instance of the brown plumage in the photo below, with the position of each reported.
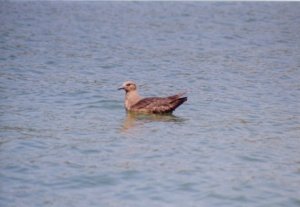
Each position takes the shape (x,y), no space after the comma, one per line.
(157,105)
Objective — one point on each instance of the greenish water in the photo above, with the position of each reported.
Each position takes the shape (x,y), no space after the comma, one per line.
(66,140)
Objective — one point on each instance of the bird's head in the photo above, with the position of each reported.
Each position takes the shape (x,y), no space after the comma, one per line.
(128,86)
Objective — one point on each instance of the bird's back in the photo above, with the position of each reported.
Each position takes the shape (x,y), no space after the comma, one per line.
(159,105)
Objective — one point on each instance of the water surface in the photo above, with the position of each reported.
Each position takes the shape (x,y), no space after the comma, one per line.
(66,140)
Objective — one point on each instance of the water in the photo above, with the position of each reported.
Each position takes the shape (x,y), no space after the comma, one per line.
(67,141)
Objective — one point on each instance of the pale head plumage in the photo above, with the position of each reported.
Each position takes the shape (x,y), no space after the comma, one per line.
(128,86)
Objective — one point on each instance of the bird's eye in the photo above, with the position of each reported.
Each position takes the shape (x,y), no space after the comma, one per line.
(128,84)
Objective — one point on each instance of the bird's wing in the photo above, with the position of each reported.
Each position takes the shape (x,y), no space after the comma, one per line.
(158,104)
(150,102)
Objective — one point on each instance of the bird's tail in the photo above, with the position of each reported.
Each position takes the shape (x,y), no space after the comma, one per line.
(177,102)
(177,96)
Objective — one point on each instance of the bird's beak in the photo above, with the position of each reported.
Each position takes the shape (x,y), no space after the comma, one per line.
(121,88)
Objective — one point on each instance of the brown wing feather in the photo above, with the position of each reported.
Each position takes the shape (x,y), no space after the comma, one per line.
(150,102)
(159,105)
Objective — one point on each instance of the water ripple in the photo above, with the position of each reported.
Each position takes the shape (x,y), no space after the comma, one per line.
(66,140)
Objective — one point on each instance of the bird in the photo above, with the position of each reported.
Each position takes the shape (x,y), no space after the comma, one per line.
(153,105)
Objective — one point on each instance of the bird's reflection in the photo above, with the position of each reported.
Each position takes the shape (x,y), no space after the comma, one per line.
(133,120)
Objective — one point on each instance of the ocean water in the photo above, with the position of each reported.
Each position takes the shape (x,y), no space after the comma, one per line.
(66,139)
